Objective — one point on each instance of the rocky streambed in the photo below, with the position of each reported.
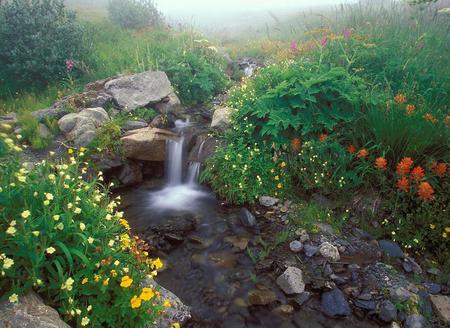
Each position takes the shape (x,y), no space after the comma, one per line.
(237,268)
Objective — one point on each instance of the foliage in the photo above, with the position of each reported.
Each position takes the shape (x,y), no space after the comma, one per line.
(325,166)
(134,14)
(197,75)
(36,39)
(241,173)
(108,139)
(30,131)
(298,99)
(62,237)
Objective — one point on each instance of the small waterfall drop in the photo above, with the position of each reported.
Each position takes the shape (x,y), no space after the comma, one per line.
(193,172)
(175,161)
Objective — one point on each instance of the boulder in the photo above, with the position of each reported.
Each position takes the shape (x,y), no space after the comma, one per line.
(147,144)
(329,252)
(178,312)
(391,248)
(416,321)
(9,119)
(221,118)
(80,128)
(388,311)
(291,281)
(51,113)
(170,105)
(134,125)
(441,306)
(268,201)
(44,131)
(139,90)
(29,312)
(247,218)
(131,173)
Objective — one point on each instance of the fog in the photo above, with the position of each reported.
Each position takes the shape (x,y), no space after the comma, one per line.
(219,14)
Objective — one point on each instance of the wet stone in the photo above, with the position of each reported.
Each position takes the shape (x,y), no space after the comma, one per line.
(307,320)
(284,309)
(296,246)
(261,297)
(391,248)
(433,288)
(310,250)
(388,311)
(334,304)
(301,299)
(416,321)
(291,281)
(247,218)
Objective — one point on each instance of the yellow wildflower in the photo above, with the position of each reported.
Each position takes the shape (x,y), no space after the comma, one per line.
(432,226)
(157,264)
(147,294)
(85,321)
(84,281)
(283,164)
(50,250)
(167,303)
(126,282)
(135,302)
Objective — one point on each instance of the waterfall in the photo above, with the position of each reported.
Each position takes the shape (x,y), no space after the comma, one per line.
(193,172)
(175,161)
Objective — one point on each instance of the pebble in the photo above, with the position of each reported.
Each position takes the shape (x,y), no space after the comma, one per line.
(296,246)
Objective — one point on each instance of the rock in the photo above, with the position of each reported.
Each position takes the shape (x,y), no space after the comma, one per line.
(310,250)
(391,248)
(334,304)
(205,146)
(330,252)
(131,173)
(302,234)
(170,105)
(325,228)
(163,121)
(29,312)
(222,119)
(434,271)
(296,246)
(416,321)
(147,144)
(51,113)
(247,218)
(134,125)
(100,100)
(433,288)
(308,319)
(426,308)
(441,306)
(291,281)
(9,119)
(178,312)
(139,90)
(284,309)
(238,242)
(261,297)
(268,201)
(302,298)
(80,128)
(44,131)
(409,265)
(361,234)
(388,311)
(400,294)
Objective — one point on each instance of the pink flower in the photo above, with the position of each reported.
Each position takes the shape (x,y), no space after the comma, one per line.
(347,33)
(294,46)
(70,64)
(324,41)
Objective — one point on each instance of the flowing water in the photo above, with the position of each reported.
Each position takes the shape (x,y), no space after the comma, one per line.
(204,249)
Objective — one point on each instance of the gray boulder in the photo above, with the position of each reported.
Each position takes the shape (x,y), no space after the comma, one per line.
(44,131)
(139,90)
(134,125)
(51,113)
(247,218)
(268,201)
(80,128)
(29,312)
(388,311)
(170,105)
(391,248)
(178,312)
(222,118)
(10,119)
(291,281)
(441,306)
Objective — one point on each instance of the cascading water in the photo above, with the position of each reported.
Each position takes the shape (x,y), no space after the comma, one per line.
(182,191)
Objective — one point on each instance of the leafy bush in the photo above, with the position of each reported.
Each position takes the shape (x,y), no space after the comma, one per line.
(241,173)
(37,37)
(30,131)
(62,237)
(285,101)
(197,75)
(134,14)
(108,139)
(324,166)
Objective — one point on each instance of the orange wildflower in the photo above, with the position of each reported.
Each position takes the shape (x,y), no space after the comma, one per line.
(400,98)
(430,118)
(440,169)
(410,109)
(381,163)
(425,191)
(363,153)
(296,144)
(323,137)
(404,166)
(403,184)
(417,173)
(351,149)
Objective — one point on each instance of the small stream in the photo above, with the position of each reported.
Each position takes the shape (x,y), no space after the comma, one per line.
(204,247)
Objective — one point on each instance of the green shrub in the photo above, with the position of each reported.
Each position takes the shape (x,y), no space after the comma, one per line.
(61,236)
(324,166)
(108,139)
(37,37)
(134,14)
(197,75)
(241,173)
(299,99)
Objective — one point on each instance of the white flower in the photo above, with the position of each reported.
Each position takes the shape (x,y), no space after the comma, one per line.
(82,226)
(50,250)
(11,231)
(14,298)
(85,321)
(49,196)
(7,263)
(77,210)
(90,240)
(25,214)
(111,243)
